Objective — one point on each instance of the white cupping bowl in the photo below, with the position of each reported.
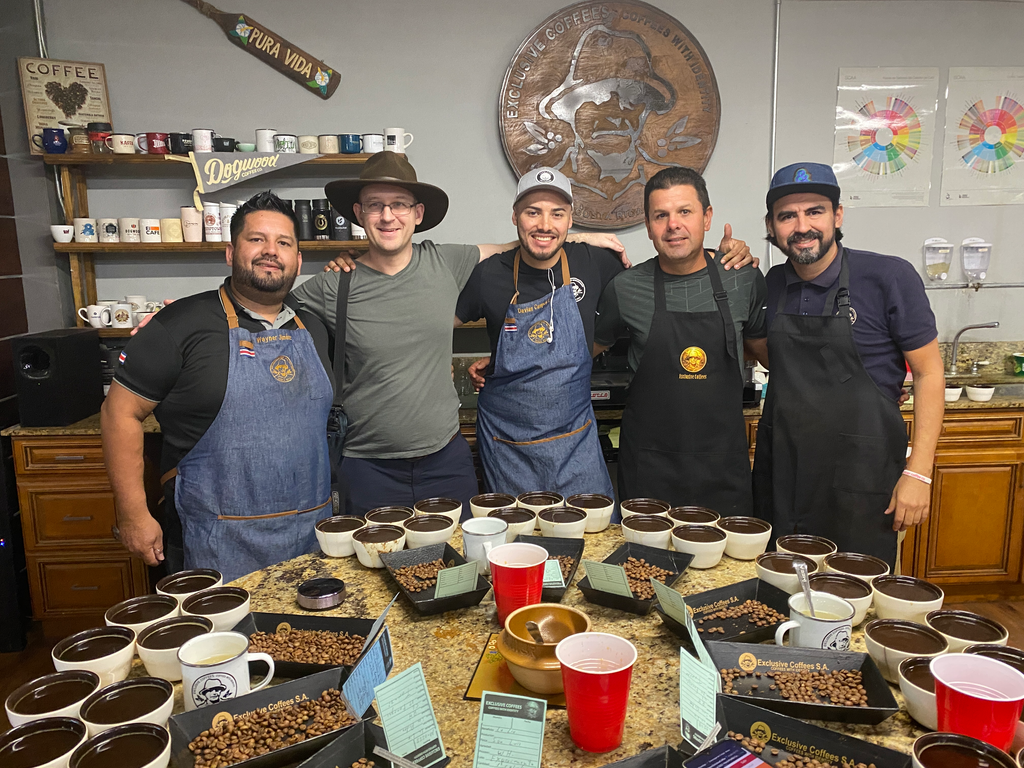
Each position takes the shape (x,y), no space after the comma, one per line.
(23,697)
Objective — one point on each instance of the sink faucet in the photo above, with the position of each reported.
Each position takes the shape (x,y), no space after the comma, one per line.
(951,371)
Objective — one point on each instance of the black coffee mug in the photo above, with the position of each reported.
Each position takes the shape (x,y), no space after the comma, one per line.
(180,143)
(223,145)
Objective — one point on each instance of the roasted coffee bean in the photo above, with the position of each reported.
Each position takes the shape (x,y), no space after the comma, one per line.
(841,687)
(791,761)
(639,573)
(309,646)
(232,742)
(565,563)
(416,578)
(757,613)
(362,762)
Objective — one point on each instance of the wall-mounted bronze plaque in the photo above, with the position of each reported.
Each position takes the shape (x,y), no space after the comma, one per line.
(609,93)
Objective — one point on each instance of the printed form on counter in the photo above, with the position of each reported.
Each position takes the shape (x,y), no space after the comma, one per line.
(370,671)
(675,606)
(697,694)
(553,574)
(408,717)
(608,578)
(511,731)
(456,580)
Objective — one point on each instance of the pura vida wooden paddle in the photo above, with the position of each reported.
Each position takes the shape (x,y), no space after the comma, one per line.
(290,60)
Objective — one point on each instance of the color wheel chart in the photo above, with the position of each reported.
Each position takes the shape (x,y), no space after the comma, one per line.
(885,129)
(983,158)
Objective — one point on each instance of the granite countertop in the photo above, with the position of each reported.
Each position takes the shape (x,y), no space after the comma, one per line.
(87,426)
(449,647)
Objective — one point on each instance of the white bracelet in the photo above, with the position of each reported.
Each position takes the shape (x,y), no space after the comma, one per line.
(916,476)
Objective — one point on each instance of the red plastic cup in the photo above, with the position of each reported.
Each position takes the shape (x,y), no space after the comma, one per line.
(517,573)
(596,671)
(978,696)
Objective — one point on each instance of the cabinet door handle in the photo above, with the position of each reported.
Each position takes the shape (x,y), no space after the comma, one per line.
(77,588)
(77,518)
(69,458)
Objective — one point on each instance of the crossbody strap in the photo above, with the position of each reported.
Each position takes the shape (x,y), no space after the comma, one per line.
(340,324)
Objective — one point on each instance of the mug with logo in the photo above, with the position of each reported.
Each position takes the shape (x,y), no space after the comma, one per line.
(107,229)
(373,143)
(223,144)
(308,145)
(211,222)
(85,231)
(150,230)
(154,143)
(96,315)
(215,668)
(829,629)
(265,139)
(137,301)
(170,231)
(286,143)
(191,224)
(121,315)
(351,143)
(52,141)
(179,143)
(202,140)
(396,139)
(130,230)
(79,140)
(121,143)
(328,143)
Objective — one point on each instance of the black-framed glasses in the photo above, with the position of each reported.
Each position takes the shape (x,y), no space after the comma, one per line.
(398,208)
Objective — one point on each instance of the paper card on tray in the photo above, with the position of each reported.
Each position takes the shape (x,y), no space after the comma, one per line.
(553,574)
(456,580)
(372,634)
(675,606)
(697,691)
(369,672)
(510,733)
(608,578)
(408,716)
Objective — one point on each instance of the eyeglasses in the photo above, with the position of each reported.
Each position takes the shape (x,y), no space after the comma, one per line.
(398,208)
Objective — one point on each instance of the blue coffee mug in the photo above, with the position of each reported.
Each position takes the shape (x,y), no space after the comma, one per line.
(52,141)
(351,143)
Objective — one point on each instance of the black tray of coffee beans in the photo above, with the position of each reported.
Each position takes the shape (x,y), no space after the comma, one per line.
(280,623)
(660,757)
(424,600)
(775,737)
(355,744)
(798,682)
(571,548)
(739,629)
(626,555)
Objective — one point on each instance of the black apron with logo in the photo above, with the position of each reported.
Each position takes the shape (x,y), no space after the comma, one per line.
(683,435)
(830,444)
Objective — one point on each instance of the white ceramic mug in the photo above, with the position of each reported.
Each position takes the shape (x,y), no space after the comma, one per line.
(170,231)
(149,230)
(130,230)
(122,315)
(211,222)
(215,667)
(227,212)
(96,315)
(191,224)
(62,233)
(85,231)
(373,142)
(479,536)
(328,143)
(308,145)
(202,140)
(286,143)
(138,302)
(265,139)
(396,139)
(107,230)
(830,634)
(121,143)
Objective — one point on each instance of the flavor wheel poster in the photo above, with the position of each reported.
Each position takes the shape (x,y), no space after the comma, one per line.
(885,127)
(983,161)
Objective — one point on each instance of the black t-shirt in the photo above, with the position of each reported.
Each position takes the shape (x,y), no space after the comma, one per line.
(490,287)
(180,361)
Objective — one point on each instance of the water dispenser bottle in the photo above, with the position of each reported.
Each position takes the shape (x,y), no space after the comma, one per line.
(975,255)
(938,256)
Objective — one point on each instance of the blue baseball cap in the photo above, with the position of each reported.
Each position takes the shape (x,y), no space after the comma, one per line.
(803,177)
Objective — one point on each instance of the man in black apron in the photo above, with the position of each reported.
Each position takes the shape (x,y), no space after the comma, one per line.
(683,436)
(831,444)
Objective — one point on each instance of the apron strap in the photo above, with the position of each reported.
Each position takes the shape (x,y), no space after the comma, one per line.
(289,513)
(168,475)
(566,277)
(839,296)
(229,308)
(722,302)
(298,323)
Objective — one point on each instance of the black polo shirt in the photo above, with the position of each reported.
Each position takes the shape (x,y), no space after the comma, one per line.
(180,361)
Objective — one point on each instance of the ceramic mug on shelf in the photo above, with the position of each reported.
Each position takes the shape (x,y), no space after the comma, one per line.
(211,222)
(107,230)
(130,230)
(191,224)
(170,231)
(396,139)
(265,139)
(78,140)
(52,141)
(137,301)
(202,140)
(85,231)
(328,143)
(121,143)
(154,143)
(373,143)
(351,143)
(308,145)
(121,315)
(62,233)
(150,230)
(180,143)
(215,668)
(285,143)
(96,315)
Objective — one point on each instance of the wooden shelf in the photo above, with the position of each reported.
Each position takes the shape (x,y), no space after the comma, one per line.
(115,333)
(144,248)
(169,161)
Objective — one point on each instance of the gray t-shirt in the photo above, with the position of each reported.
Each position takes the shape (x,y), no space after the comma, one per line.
(399,396)
(627,304)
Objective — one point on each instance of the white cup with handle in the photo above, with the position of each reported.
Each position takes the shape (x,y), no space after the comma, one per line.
(397,140)
(122,315)
(96,315)
(831,628)
(479,536)
(215,668)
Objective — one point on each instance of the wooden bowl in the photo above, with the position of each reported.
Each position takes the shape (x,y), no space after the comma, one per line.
(532,664)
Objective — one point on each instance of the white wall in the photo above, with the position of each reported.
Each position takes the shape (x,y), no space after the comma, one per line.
(435,68)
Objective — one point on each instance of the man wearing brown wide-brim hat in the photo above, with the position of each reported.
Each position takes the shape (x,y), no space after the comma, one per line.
(403,442)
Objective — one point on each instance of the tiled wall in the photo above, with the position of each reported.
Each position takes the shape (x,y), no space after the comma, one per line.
(13,321)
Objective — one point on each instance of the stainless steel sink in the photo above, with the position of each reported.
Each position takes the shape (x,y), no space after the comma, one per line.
(1009,390)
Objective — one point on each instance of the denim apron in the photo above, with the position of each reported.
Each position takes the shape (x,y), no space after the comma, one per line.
(535,424)
(251,490)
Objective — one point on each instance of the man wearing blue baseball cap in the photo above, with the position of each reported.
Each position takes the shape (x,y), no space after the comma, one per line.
(831,446)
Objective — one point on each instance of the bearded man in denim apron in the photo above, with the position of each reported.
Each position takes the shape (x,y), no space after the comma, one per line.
(251,476)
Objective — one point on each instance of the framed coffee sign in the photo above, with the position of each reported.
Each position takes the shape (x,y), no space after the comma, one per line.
(609,93)
(62,93)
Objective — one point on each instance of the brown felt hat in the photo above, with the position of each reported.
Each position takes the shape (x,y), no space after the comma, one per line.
(389,168)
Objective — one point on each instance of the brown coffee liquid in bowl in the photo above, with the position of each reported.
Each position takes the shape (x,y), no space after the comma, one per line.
(839,586)
(39,748)
(693,515)
(436,507)
(905,588)
(142,612)
(390,516)
(53,696)
(126,751)
(645,506)
(94,648)
(493,500)
(743,525)
(540,499)
(174,636)
(966,627)
(207,605)
(648,523)
(954,756)
(1011,656)
(699,533)
(340,524)
(779,562)
(563,515)
(512,515)
(188,584)
(377,534)
(859,565)
(589,501)
(921,676)
(807,545)
(428,524)
(905,638)
(125,704)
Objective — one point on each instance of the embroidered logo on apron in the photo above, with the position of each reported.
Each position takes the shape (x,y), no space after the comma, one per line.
(245,349)
(693,359)
(510,324)
(282,369)
(579,289)
(539,332)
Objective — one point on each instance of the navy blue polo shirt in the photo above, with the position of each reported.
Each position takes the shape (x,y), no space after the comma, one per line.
(892,310)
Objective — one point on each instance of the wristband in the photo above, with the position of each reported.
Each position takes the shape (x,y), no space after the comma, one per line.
(922,478)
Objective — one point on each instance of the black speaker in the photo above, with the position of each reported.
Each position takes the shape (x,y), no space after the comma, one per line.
(58,376)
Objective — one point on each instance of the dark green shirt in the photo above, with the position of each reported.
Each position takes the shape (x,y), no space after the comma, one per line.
(627,304)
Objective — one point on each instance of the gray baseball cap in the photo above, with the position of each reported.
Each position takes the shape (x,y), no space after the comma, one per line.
(544,178)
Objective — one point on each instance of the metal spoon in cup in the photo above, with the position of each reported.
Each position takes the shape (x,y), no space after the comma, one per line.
(805,585)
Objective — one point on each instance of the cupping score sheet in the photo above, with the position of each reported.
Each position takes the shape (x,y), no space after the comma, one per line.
(510,733)
(408,717)
(370,671)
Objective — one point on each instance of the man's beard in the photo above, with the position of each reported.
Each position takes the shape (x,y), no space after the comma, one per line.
(813,250)
(525,240)
(273,286)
